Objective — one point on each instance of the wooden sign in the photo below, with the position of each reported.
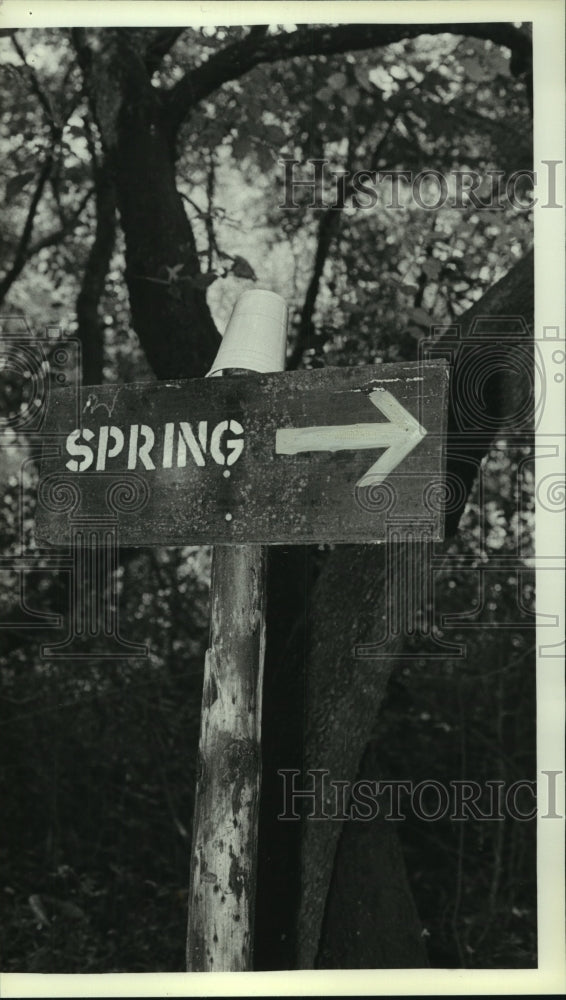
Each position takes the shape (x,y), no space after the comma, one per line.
(329,455)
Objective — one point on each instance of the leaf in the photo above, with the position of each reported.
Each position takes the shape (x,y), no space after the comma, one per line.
(204,280)
(242,146)
(416,332)
(498,62)
(174,272)
(475,71)
(266,156)
(273,134)
(337,81)
(241,269)
(350,96)
(421,317)
(432,268)
(362,76)
(18,183)
(38,910)
(324,94)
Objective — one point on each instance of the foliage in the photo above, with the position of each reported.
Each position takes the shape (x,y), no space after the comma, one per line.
(98,771)
(470,719)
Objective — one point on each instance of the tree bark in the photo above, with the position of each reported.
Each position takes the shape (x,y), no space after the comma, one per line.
(350,605)
(166,292)
(369,883)
(322,702)
(231,62)
(21,254)
(90,327)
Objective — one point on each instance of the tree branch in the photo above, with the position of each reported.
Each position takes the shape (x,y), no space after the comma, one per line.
(240,57)
(90,332)
(328,228)
(209,217)
(55,127)
(229,63)
(56,235)
(162,42)
(82,48)
(22,250)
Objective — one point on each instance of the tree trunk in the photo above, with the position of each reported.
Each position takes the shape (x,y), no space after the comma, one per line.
(322,702)
(90,327)
(351,604)
(169,312)
(370,920)
(166,289)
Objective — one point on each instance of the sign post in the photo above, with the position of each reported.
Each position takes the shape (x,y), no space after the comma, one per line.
(222,890)
(224,843)
(256,457)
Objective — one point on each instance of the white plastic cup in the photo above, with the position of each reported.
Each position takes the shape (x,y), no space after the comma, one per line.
(256,335)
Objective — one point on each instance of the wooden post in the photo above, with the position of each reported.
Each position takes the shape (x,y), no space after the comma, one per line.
(224,845)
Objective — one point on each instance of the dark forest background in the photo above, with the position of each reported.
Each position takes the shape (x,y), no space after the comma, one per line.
(141,192)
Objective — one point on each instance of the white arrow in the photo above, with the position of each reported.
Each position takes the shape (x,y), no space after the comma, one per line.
(399,436)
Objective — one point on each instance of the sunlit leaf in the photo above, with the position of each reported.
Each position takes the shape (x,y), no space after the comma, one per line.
(16,184)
